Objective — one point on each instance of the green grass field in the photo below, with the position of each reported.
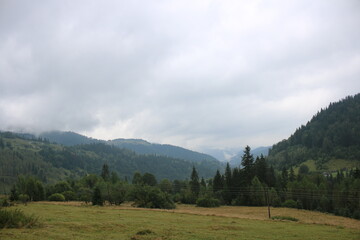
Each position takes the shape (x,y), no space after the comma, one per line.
(74,221)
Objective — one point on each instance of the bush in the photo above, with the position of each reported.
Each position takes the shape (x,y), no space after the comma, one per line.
(207,202)
(289,204)
(97,198)
(4,202)
(57,197)
(16,219)
(69,195)
(152,197)
(286,218)
(24,198)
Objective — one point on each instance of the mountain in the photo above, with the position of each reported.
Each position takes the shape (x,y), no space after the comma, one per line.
(329,141)
(53,162)
(223,155)
(257,152)
(67,138)
(143,147)
(139,146)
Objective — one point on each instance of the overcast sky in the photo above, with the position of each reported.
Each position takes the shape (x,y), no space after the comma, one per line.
(192,73)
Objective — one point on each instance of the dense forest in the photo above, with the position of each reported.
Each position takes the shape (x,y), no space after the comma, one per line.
(36,169)
(254,184)
(52,162)
(333,133)
(139,146)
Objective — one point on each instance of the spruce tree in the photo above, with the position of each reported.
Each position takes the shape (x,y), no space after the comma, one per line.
(261,168)
(194,182)
(105,173)
(247,162)
(217,182)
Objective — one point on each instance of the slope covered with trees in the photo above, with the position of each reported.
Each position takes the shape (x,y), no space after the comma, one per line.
(333,133)
(137,145)
(52,162)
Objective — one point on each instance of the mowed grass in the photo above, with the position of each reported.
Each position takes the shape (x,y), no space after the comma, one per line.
(74,221)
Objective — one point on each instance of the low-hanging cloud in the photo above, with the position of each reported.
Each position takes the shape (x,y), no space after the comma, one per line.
(191,73)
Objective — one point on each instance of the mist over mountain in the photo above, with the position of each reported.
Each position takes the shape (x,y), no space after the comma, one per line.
(50,162)
(331,137)
(257,152)
(139,146)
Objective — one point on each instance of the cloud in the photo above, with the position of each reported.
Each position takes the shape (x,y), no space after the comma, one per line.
(196,74)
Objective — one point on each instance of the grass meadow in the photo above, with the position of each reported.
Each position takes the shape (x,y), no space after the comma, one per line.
(77,221)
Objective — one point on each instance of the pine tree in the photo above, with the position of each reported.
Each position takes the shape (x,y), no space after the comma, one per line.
(261,168)
(105,174)
(228,184)
(217,182)
(194,182)
(248,163)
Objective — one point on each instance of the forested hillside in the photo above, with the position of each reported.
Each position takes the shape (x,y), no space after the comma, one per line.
(332,134)
(137,145)
(143,147)
(52,162)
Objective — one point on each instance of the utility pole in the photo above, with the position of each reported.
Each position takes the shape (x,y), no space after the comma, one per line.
(268,200)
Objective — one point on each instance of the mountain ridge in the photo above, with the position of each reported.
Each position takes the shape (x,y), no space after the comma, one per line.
(332,133)
(139,146)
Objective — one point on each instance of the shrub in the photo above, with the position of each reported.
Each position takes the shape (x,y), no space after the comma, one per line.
(289,204)
(97,198)
(144,232)
(152,197)
(16,219)
(207,202)
(57,197)
(286,218)
(69,195)
(4,202)
(24,198)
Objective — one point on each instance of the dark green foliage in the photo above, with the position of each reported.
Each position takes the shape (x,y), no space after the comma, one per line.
(105,173)
(286,218)
(289,204)
(144,232)
(333,133)
(194,182)
(24,198)
(137,178)
(218,183)
(84,194)
(16,219)
(248,166)
(69,195)
(149,179)
(57,197)
(151,197)
(14,195)
(97,197)
(303,169)
(49,163)
(4,202)
(29,186)
(166,186)
(207,202)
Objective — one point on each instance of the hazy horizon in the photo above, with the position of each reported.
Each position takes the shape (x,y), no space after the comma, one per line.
(200,75)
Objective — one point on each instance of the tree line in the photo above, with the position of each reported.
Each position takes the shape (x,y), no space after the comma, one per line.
(255,183)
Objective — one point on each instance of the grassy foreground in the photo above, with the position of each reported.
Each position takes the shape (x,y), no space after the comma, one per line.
(186,222)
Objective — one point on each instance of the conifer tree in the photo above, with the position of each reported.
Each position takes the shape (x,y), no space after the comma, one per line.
(217,182)
(194,182)
(248,165)
(105,173)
